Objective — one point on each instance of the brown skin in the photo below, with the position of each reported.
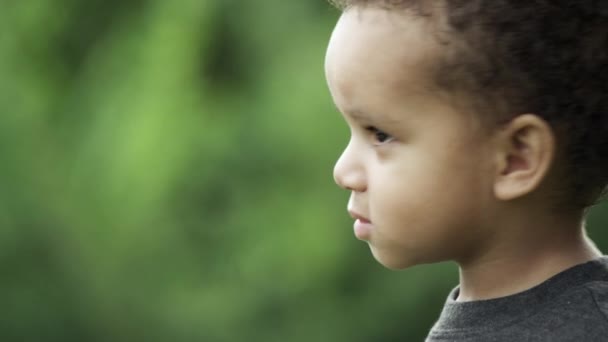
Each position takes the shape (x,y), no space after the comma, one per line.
(433,184)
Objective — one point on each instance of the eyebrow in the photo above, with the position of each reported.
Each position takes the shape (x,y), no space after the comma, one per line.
(358,114)
(363,116)
(353,113)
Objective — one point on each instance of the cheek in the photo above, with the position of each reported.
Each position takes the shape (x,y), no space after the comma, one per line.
(425,190)
(415,177)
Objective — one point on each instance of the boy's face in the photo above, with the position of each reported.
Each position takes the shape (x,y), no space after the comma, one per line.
(416,166)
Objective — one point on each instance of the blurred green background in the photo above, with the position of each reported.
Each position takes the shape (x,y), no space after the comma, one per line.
(166,176)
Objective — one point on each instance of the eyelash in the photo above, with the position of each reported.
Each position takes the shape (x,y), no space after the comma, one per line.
(380,137)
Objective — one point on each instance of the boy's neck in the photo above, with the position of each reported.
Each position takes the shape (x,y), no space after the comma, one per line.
(525,259)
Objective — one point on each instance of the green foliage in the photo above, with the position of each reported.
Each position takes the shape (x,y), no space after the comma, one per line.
(165,178)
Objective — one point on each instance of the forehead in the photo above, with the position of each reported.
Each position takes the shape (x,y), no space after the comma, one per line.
(373,48)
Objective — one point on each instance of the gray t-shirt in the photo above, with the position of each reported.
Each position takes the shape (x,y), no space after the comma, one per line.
(571,306)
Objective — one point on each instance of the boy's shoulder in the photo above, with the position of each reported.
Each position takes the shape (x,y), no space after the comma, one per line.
(572,306)
(599,291)
(580,314)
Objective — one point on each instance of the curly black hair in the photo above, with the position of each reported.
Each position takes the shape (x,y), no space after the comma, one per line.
(547,57)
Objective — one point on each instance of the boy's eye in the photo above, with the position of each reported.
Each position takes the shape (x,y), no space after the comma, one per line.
(379,136)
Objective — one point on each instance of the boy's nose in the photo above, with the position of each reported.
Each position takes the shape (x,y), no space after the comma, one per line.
(349,172)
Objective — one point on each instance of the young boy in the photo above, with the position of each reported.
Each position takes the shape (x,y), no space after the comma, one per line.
(479,134)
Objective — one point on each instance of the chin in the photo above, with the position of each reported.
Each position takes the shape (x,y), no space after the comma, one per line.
(394,261)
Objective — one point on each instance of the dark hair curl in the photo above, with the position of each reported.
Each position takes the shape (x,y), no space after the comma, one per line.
(547,57)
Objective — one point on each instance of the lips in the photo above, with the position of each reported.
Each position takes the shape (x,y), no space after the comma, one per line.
(362,227)
(359,217)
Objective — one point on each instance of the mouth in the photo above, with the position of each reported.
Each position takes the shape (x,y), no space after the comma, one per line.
(359,217)
(362,227)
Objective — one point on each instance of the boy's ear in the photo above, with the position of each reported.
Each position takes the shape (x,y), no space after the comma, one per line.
(525,152)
